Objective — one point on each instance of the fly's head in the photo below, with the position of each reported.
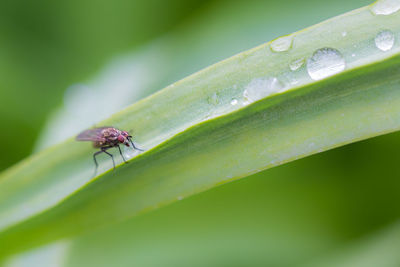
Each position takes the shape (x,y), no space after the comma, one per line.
(124,138)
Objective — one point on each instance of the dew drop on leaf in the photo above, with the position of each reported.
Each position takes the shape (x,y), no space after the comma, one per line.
(282,44)
(384,40)
(385,7)
(325,62)
(261,87)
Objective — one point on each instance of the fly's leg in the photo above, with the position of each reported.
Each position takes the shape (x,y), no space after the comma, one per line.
(133,145)
(102,150)
(95,161)
(120,152)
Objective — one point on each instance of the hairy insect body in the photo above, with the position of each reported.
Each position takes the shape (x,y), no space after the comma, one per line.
(110,138)
(106,138)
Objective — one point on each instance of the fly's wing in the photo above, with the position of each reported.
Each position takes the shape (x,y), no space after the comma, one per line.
(92,135)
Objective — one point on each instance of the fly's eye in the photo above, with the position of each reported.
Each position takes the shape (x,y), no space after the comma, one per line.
(125,133)
(121,139)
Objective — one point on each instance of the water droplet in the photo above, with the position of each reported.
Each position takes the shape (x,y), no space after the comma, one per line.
(385,7)
(213,99)
(234,102)
(384,40)
(260,88)
(296,64)
(282,44)
(246,101)
(325,62)
(344,34)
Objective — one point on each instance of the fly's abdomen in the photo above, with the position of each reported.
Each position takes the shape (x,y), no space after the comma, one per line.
(98,144)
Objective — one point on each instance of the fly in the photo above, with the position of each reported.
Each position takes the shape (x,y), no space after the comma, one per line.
(106,138)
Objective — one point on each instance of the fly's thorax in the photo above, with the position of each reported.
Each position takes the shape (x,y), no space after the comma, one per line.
(113,142)
(111,134)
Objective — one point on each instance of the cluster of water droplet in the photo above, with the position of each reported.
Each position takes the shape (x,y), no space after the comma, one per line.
(322,63)
(385,39)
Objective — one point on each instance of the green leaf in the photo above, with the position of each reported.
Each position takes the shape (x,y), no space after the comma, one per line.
(295,213)
(203,131)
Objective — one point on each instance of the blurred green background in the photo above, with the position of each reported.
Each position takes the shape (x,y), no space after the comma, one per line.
(330,208)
